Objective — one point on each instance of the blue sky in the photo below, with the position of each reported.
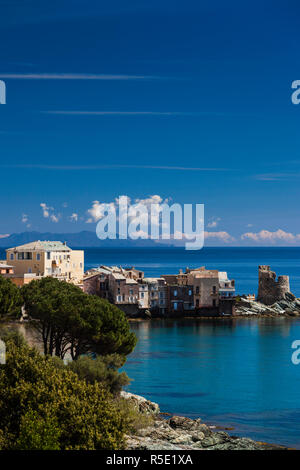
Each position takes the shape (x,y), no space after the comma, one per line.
(187,100)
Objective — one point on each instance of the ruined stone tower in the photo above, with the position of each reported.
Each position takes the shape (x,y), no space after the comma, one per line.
(271,290)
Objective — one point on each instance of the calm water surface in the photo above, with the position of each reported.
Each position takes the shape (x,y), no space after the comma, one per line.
(232,372)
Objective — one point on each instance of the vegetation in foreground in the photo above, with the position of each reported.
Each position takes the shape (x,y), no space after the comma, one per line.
(46,406)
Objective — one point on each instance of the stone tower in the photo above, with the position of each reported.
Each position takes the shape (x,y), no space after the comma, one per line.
(271,290)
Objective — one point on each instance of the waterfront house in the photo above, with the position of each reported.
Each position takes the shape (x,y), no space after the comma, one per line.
(226,286)
(157,292)
(46,258)
(143,296)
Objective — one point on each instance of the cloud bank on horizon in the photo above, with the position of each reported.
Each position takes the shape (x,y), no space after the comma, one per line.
(96,212)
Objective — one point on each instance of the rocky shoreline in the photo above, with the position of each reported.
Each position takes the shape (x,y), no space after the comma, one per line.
(289,306)
(244,307)
(181,433)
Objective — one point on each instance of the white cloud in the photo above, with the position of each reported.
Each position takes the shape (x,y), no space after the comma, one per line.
(45,209)
(97,211)
(213,222)
(222,236)
(118,113)
(74,76)
(267,236)
(48,212)
(112,167)
(24,218)
(74,217)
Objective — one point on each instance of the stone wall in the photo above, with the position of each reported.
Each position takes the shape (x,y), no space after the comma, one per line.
(270,289)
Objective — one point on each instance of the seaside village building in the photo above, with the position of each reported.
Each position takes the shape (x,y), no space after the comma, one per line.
(193,292)
(44,258)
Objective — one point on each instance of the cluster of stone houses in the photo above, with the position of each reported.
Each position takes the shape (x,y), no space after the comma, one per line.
(193,292)
(198,291)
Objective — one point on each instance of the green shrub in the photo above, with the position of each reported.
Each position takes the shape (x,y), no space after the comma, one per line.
(102,369)
(43,406)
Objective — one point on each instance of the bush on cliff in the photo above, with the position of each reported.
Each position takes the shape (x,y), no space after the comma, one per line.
(46,407)
(102,369)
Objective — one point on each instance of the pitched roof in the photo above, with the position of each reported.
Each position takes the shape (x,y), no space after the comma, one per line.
(130,281)
(118,276)
(44,245)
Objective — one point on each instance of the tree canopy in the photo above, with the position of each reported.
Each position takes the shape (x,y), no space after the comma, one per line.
(10,300)
(73,322)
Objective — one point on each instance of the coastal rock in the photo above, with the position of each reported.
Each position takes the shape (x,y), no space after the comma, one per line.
(144,406)
(182,433)
(289,306)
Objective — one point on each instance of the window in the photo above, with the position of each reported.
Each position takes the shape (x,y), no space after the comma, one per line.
(29,270)
(48,254)
(197,290)
(197,303)
(130,292)
(142,295)
(175,305)
(11,256)
(119,298)
(214,289)
(81,265)
(20,255)
(175,293)
(38,256)
(190,291)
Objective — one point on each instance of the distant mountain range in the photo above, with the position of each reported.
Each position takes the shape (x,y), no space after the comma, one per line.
(80,239)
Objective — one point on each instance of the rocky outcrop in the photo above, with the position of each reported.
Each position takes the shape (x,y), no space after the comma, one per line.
(289,306)
(181,433)
(142,404)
